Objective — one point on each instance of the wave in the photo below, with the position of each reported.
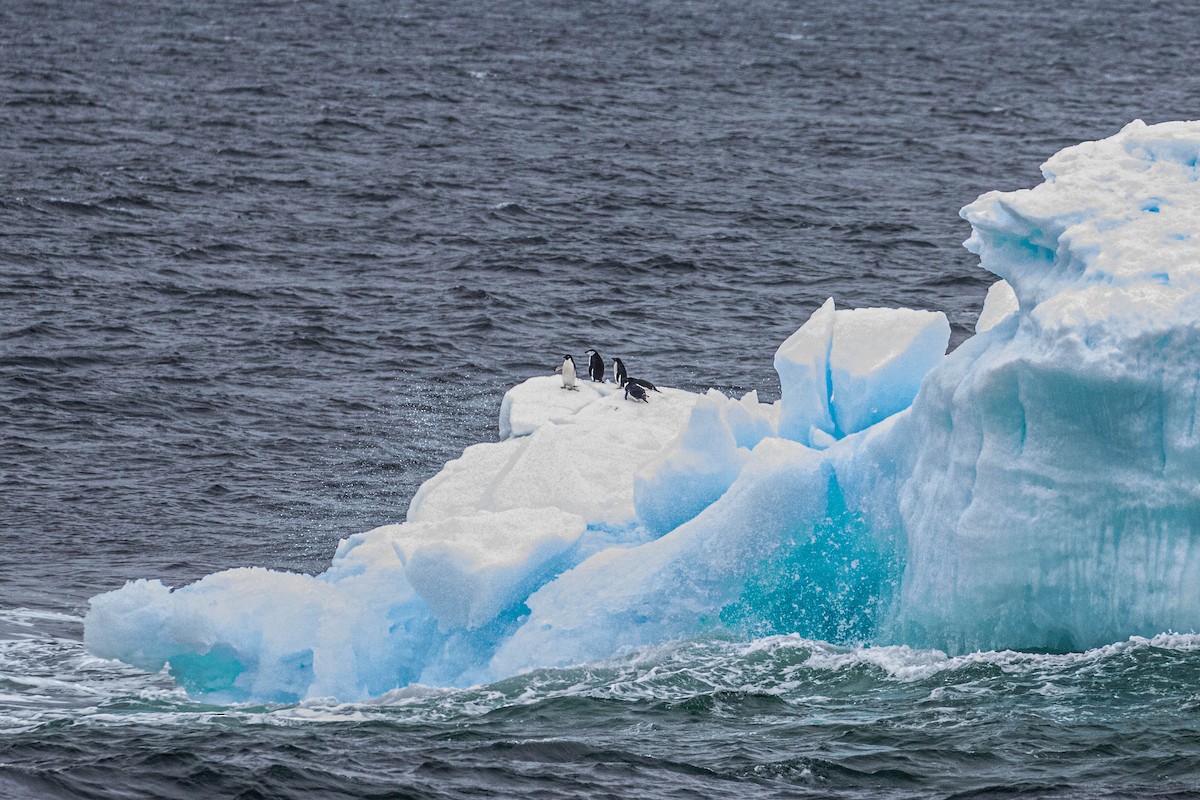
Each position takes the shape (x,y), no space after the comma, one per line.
(47,678)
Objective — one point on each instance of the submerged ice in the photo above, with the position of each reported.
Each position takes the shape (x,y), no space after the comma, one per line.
(1038,488)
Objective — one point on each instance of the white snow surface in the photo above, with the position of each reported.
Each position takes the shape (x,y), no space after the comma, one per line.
(1037,488)
(579,454)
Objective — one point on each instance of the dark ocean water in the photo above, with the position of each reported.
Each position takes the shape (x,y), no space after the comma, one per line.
(265,266)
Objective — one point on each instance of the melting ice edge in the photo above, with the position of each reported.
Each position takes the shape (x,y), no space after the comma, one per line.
(1038,488)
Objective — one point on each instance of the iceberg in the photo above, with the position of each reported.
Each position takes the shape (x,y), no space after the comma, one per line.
(1036,488)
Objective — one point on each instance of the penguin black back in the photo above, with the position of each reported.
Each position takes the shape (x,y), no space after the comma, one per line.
(619,373)
(644,384)
(636,391)
(595,366)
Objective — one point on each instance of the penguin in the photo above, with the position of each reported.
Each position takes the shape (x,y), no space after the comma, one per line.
(619,373)
(595,366)
(637,391)
(644,384)
(567,368)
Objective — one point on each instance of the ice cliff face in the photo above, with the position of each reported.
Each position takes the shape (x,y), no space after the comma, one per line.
(1037,488)
(1054,493)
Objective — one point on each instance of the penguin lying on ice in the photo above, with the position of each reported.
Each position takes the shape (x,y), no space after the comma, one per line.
(595,366)
(643,383)
(636,391)
(567,368)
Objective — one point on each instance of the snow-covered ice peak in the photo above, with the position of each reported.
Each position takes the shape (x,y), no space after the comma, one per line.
(1111,234)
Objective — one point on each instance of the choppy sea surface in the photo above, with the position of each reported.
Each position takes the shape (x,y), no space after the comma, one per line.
(266,266)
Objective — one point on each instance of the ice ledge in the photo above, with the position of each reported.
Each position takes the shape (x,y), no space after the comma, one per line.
(1115,218)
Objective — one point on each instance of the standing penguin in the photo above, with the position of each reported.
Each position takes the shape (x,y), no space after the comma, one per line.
(568,372)
(619,373)
(595,366)
(637,391)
